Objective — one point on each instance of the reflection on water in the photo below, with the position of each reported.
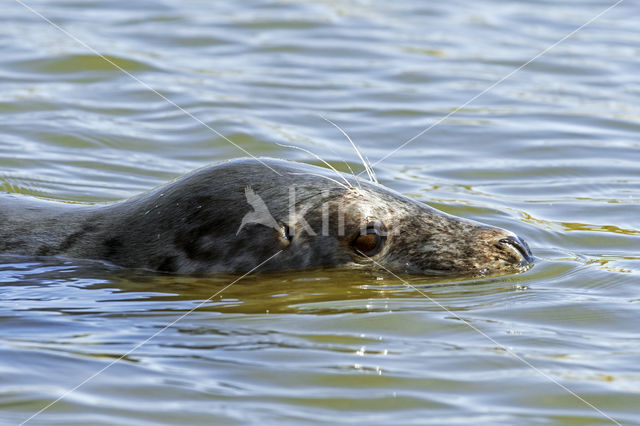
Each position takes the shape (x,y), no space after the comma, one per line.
(550,153)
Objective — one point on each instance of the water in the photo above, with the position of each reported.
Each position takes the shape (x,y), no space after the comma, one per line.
(551,153)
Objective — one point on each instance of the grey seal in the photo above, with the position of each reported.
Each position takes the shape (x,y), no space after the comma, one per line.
(231,216)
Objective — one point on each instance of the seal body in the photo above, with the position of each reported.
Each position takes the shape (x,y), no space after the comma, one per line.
(232,216)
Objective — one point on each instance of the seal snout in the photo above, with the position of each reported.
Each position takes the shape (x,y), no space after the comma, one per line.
(520,246)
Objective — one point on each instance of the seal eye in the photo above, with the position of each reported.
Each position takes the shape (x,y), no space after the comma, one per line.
(369,241)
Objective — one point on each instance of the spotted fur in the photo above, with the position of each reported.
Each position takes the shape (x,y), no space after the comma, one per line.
(189,226)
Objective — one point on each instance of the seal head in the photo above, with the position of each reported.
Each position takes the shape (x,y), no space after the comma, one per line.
(232,216)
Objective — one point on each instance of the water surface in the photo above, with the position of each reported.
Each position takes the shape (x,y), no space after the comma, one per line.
(551,153)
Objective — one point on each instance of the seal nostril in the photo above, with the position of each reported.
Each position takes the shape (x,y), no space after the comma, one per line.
(520,245)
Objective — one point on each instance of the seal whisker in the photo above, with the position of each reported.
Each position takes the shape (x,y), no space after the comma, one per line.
(367,167)
(322,176)
(319,158)
(373,173)
(352,173)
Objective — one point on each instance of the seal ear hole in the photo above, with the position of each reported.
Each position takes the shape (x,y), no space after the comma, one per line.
(369,240)
(284,235)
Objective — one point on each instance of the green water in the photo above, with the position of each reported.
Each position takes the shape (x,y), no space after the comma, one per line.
(551,153)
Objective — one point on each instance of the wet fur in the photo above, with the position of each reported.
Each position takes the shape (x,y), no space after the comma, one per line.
(189,225)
